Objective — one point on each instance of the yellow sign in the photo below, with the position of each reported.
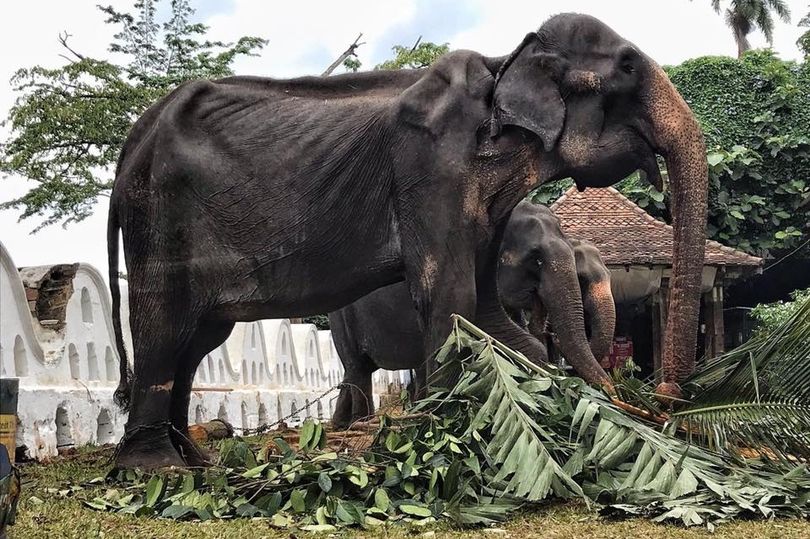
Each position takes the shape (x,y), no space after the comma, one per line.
(8,433)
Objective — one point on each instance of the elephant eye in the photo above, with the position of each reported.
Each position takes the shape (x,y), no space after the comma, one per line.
(628,68)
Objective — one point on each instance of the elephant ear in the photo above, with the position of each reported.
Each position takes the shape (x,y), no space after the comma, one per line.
(527,93)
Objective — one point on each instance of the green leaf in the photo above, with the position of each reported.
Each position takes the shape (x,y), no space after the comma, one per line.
(381,500)
(415,510)
(714,159)
(154,490)
(348,513)
(325,456)
(324,482)
(307,432)
(256,471)
(99,504)
(177,511)
(298,500)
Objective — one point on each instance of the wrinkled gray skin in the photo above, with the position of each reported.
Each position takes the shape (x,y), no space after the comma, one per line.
(538,274)
(248,198)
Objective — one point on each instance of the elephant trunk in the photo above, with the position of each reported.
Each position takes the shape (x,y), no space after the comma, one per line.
(679,139)
(600,311)
(566,314)
(492,318)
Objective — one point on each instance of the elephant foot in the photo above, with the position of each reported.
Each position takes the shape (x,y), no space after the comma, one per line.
(148,447)
(342,418)
(193,455)
(668,393)
(352,406)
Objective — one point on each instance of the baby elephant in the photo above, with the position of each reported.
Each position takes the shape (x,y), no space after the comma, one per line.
(559,284)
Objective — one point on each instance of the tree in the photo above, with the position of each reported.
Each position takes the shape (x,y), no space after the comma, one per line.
(69,123)
(418,56)
(804,40)
(745,16)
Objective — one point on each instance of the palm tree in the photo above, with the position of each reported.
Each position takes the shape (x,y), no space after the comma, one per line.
(745,16)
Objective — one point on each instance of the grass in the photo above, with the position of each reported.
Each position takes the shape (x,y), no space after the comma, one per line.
(47,510)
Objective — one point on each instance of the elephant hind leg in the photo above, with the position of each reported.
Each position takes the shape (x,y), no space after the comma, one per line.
(161,333)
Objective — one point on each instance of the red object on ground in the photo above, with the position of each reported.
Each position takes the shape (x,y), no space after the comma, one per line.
(620,352)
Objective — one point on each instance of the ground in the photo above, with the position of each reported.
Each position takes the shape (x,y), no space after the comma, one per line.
(46,512)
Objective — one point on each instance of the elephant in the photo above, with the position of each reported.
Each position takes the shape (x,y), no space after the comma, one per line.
(245,198)
(541,271)
(599,306)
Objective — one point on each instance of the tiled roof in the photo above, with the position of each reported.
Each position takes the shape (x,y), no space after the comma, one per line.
(626,234)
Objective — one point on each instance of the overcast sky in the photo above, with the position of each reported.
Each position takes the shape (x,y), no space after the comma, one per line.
(306,36)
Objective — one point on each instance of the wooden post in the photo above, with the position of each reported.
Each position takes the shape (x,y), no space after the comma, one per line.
(708,323)
(659,326)
(657,332)
(715,326)
(9,391)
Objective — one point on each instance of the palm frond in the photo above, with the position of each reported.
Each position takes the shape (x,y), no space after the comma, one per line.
(758,395)
(780,7)
(517,445)
(542,431)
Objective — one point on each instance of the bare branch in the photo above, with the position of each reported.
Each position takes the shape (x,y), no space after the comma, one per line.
(418,40)
(347,53)
(63,37)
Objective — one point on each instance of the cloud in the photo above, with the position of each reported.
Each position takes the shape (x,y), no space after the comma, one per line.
(434,20)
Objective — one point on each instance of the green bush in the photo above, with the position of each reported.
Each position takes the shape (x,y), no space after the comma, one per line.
(771,315)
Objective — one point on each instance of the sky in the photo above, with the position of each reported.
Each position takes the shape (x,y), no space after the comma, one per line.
(305,36)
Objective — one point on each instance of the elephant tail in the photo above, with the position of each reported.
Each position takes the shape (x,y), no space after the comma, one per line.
(122,392)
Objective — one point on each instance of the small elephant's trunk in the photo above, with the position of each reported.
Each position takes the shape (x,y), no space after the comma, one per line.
(600,311)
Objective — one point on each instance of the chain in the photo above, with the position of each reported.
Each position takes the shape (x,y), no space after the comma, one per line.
(294,413)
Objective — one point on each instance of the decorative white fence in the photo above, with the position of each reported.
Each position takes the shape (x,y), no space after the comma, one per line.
(68,367)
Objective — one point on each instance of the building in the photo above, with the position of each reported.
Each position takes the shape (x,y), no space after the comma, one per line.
(638,250)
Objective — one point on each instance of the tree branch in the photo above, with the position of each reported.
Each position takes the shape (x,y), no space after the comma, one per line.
(418,40)
(347,53)
(63,37)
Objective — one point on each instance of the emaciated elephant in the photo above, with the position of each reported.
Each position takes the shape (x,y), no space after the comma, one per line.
(247,198)
(540,273)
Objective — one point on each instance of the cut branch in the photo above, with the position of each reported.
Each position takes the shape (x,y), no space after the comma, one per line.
(346,54)
(63,37)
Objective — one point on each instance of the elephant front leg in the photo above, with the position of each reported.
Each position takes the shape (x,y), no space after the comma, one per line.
(442,283)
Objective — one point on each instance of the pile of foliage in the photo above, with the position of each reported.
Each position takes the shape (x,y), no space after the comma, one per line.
(509,434)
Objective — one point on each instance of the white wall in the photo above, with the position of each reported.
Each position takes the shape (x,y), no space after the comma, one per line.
(262,373)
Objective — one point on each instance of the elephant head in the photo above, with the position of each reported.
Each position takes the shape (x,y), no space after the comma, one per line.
(602,109)
(538,273)
(597,297)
